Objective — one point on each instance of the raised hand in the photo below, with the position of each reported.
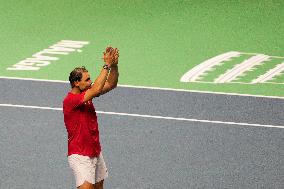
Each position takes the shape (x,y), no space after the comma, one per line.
(116,56)
(108,56)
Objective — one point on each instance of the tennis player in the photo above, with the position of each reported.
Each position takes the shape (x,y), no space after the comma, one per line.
(84,150)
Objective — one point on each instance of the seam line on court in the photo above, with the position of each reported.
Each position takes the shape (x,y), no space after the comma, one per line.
(151,116)
(152,88)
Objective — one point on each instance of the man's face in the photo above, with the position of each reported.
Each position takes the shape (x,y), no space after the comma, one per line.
(85,82)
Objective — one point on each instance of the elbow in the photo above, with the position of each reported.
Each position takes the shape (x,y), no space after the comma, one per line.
(114,86)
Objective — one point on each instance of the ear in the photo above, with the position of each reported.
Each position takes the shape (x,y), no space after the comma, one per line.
(76,83)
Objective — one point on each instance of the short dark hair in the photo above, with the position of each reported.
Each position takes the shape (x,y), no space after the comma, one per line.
(76,75)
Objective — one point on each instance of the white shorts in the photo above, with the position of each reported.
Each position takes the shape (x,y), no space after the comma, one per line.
(88,169)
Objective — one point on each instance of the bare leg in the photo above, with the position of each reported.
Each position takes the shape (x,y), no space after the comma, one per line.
(99,185)
(86,185)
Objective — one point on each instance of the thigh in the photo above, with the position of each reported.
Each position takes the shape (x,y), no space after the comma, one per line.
(83,170)
(101,169)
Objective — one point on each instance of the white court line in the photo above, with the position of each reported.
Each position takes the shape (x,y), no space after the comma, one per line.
(151,116)
(154,88)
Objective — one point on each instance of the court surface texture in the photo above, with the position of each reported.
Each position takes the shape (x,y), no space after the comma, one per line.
(150,138)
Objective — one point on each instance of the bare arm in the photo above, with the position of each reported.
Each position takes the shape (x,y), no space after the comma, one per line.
(96,88)
(112,80)
(98,85)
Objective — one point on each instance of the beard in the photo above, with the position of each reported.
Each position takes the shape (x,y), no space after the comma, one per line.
(85,88)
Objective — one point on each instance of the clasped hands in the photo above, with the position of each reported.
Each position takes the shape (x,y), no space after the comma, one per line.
(110,56)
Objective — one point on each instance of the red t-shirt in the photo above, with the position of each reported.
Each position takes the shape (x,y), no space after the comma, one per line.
(82,126)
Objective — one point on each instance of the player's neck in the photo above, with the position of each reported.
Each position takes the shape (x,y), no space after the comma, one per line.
(75,90)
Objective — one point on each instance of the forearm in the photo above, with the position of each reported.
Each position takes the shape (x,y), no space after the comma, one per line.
(97,87)
(113,76)
(100,81)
